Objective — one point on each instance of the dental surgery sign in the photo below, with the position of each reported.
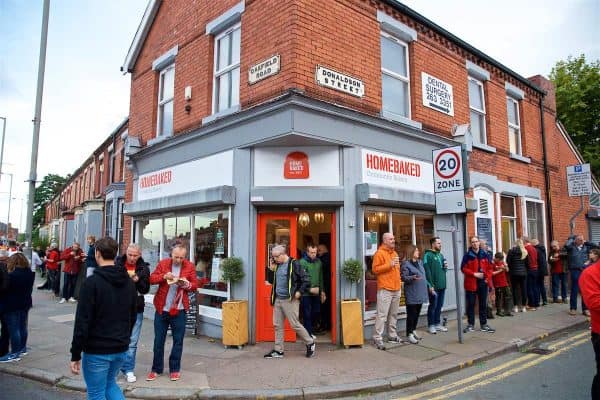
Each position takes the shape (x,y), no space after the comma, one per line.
(396,171)
(437,94)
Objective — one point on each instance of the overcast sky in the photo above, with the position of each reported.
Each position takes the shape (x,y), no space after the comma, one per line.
(86,96)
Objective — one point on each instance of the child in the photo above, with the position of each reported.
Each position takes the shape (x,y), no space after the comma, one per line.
(503,294)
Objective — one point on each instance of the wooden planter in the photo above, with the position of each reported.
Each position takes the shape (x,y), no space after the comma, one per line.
(352,323)
(235,323)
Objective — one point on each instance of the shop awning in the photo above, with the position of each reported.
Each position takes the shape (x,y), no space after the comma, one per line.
(367,193)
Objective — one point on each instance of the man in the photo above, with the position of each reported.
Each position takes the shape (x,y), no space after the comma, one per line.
(435,271)
(578,251)
(90,260)
(73,257)
(386,266)
(53,268)
(176,277)
(103,322)
(4,334)
(542,262)
(589,283)
(289,282)
(533,293)
(478,271)
(311,300)
(139,272)
(324,256)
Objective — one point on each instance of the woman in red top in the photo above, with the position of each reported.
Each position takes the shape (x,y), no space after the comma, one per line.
(53,267)
(557,261)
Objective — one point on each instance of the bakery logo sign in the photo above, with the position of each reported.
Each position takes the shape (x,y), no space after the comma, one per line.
(296,166)
(264,69)
(437,94)
(338,81)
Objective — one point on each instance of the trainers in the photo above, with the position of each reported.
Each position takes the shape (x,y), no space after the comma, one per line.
(487,328)
(379,344)
(130,377)
(432,330)
(394,340)
(523,309)
(529,308)
(62,301)
(515,309)
(468,329)
(175,376)
(417,336)
(152,376)
(412,338)
(559,299)
(274,354)
(587,313)
(573,312)
(441,328)
(72,300)
(24,352)
(310,349)
(313,337)
(10,358)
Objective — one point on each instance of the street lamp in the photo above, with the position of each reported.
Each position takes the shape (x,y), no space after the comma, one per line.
(9,198)
(2,145)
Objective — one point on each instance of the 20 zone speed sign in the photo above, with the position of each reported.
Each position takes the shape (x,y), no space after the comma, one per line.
(448,170)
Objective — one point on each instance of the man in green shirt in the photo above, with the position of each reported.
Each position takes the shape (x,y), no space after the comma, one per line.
(312,299)
(435,271)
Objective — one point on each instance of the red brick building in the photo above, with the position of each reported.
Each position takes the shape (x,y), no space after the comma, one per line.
(234,102)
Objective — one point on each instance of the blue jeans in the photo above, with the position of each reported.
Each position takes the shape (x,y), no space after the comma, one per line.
(533,293)
(575,273)
(559,280)
(100,375)
(4,336)
(434,310)
(161,324)
(311,310)
(69,286)
(481,293)
(17,329)
(129,364)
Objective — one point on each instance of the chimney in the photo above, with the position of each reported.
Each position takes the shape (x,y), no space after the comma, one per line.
(548,87)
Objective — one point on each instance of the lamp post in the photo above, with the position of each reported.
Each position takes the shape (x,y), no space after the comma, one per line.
(2,145)
(9,198)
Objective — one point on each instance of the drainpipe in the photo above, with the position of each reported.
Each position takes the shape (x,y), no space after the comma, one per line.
(546,173)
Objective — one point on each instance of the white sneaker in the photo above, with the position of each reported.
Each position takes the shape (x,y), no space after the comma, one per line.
(515,309)
(72,300)
(62,301)
(412,338)
(432,329)
(524,309)
(130,377)
(441,328)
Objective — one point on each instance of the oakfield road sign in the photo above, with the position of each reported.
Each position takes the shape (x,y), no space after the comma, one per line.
(579,180)
(448,180)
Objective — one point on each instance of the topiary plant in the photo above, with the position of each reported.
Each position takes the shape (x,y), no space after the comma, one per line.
(352,271)
(232,269)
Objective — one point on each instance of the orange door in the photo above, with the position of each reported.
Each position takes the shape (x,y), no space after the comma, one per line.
(272,229)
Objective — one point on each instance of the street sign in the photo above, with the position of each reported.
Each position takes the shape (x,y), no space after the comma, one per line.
(579,180)
(448,180)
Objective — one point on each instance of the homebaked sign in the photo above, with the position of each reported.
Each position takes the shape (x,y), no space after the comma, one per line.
(437,94)
(264,69)
(396,171)
(341,82)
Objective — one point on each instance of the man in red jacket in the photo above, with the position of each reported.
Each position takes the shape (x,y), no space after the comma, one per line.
(73,258)
(589,285)
(478,271)
(175,276)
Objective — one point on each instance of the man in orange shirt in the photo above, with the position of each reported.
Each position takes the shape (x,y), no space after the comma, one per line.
(386,265)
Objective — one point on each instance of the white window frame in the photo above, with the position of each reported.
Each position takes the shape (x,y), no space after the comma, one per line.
(478,111)
(513,126)
(524,201)
(482,193)
(162,102)
(218,73)
(397,76)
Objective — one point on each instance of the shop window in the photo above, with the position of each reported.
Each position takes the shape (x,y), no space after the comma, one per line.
(176,232)
(508,221)
(150,240)
(423,231)
(395,78)
(535,220)
(477,111)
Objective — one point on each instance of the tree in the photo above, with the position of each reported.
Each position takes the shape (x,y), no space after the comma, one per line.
(50,186)
(578,104)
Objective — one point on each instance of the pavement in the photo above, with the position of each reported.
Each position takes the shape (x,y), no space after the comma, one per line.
(211,371)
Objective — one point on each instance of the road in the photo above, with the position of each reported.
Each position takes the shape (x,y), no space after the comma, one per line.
(17,388)
(565,372)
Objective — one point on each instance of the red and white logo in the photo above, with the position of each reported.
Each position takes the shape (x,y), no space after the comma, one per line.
(296,166)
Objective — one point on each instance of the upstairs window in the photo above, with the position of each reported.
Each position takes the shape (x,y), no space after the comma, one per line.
(477,111)
(166,91)
(514,126)
(227,70)
(395,79)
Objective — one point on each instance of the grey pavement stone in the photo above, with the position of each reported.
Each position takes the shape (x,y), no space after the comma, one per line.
(347,389)
(161,393)
(403,380)
(72,384)
(40,375)
(224,394)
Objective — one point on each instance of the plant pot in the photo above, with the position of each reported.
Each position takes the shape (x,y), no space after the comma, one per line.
(235,323)
(352,323)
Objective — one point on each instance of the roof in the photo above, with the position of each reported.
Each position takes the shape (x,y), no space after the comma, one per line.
(140,35)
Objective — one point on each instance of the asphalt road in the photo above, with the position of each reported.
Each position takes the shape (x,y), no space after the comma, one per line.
(17,388)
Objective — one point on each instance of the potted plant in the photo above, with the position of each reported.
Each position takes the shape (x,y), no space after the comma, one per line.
(352,317)
(235,312)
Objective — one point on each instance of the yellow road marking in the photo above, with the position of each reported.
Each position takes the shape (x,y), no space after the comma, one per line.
(484,374)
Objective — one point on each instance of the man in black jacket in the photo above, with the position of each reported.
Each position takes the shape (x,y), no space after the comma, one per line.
(105,316)
(139,272)
(290,281)
(4,335)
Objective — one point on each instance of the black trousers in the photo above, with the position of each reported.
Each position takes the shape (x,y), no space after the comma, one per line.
(54,280)
(412,317)
(596,382)
(519,290)
(4,336)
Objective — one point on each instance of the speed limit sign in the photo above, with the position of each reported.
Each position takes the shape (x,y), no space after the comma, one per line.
(448,170)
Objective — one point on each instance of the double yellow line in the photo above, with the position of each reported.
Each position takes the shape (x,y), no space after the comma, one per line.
(500,372)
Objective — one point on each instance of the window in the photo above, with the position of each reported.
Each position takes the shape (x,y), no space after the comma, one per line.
(166,91)
(514,126)
(108,218)
(477,110)
(508,221)
(395,81)
(176,232)
(227,70)
(120,221)
(535,220)
(111,167)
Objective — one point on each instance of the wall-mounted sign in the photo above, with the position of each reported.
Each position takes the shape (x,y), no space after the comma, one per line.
(264,69)
(579,180)
(449,181)
(437,94)
(396,171)
(338,81)
(296,166)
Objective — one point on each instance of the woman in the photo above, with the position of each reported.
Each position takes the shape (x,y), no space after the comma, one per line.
(17,303)
(518,264)
(557,261)
(415,290)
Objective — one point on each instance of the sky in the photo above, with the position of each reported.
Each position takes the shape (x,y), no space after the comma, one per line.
(86,96)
